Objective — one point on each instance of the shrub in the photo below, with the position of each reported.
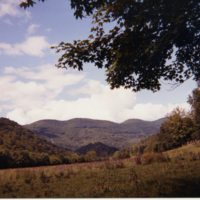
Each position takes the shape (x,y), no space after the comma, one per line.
(90,156)
(122,154)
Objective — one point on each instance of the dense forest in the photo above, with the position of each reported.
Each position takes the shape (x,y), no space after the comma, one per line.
(20,147)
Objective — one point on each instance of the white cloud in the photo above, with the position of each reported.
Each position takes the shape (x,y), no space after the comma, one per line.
(32,28)
(33,46)
(149,111)
(104,105)
(44,92)
(26,89)
(11,8)
(47,75)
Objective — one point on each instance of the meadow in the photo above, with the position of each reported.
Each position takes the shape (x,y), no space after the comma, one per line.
(167,175)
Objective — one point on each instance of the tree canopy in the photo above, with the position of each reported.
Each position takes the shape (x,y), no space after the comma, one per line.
(150,41)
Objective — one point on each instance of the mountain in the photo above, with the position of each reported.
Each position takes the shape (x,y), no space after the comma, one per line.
(101,149)
(20,147)
(79,132)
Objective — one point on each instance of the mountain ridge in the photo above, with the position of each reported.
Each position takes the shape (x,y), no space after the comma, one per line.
(78,132)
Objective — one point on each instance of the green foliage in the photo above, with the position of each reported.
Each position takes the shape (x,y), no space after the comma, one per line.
(136,50)
(177,130)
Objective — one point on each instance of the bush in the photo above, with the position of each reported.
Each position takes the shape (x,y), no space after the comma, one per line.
(90,156)
(122,154)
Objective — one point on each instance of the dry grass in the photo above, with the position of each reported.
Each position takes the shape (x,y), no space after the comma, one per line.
(191,151)
(121,178)
(155,176)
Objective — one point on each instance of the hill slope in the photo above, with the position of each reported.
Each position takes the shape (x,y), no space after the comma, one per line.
(78,132)
(20,147)
(100,149)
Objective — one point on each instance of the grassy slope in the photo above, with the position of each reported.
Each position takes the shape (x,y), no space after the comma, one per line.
(106,179)
(193,147)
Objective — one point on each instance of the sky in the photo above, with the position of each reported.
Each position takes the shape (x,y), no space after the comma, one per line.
(32,88)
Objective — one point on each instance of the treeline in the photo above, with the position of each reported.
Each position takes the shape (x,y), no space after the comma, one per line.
(19,147)
(179,128)
(25,158)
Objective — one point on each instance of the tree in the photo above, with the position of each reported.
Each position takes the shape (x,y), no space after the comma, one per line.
(90,156)
(194,101)
(176,130)
(137,52)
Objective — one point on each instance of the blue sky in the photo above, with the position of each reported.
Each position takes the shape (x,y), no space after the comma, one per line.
(33,89)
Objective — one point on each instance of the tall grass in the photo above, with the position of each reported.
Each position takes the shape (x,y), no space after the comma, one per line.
(121,178)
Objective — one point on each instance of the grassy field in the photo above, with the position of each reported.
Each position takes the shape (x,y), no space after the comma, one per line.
(104,179)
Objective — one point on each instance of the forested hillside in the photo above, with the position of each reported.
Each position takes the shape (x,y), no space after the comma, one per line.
(79,132)
(19,147)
